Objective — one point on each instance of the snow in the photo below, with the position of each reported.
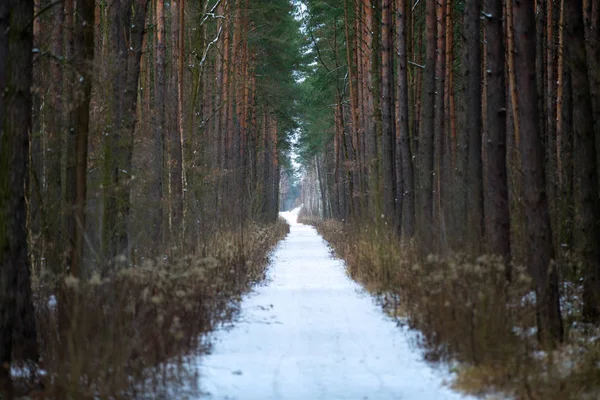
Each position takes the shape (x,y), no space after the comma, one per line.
(25,372)
(52,302)
(312,333)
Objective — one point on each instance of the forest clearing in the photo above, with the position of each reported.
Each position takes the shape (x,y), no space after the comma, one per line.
(447,150)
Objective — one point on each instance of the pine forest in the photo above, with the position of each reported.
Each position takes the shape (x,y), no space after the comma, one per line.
(166,165)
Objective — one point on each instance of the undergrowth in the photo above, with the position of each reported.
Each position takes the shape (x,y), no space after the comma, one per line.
(131,330)
(467,312)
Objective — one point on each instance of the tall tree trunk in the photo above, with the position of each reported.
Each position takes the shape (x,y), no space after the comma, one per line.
(387,117)
(425,162)
(224,124)
(126,39)
(438,127)
(79,125)
(52,181)
(550,120)
(539,234)
(497,217)
(564,139)
(174,136)
(354,107)
(158,147)
(587,202)
(449,177)
(592,24)
(180,121)
(404,166)
(17,325)
(473,115)
(512,84)
(370,89)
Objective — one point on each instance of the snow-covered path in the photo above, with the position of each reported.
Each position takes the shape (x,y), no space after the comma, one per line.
(312,333)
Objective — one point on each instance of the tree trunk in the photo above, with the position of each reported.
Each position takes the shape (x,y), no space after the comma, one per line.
(497,217)
(587,202)
(17,325)
(387,117)
(174,136)
(473,116)
(404,166)
(538,234)
(79,125)
(439,233)
(425,162)
(370,90)
(126,38)
(158,147)
(564,139)
(592,24)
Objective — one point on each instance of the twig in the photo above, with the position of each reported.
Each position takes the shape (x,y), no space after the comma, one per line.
(215,40)
(416,65)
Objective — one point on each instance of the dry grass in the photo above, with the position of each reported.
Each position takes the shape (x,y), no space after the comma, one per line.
(467,311)
(131,330)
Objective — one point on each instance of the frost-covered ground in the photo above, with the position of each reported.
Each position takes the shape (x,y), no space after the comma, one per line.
(312,333)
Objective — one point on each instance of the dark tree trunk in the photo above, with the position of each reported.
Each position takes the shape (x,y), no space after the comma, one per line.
(52,209)
(564,140)
(425,162)
(404,166)
(473,116)
(387,117)
(592,24)
(587,202)
(370,92)
(126,38)
(538,231)
(439,233)
(79,126)
(17,323)
(497,217)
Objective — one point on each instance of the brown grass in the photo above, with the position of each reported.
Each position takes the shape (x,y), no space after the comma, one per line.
(131,330)
(468,312)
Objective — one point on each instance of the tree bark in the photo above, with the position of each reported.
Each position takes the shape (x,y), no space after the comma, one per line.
(17,325)
(158,147)
(426,145)
(497,217)
(126,38)
(473,115)
(439,234)
(404,166)
(79,126)
(370,90)
(587,202)
(538,234)
(387,117)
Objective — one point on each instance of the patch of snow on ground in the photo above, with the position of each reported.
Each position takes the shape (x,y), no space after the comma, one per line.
(312,333)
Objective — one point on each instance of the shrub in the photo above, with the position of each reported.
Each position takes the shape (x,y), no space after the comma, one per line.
(467,311)
(128,333)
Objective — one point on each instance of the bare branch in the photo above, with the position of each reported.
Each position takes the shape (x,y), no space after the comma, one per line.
(215,40)
(416,65)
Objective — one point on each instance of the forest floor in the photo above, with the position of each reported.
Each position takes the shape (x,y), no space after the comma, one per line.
(311,332)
